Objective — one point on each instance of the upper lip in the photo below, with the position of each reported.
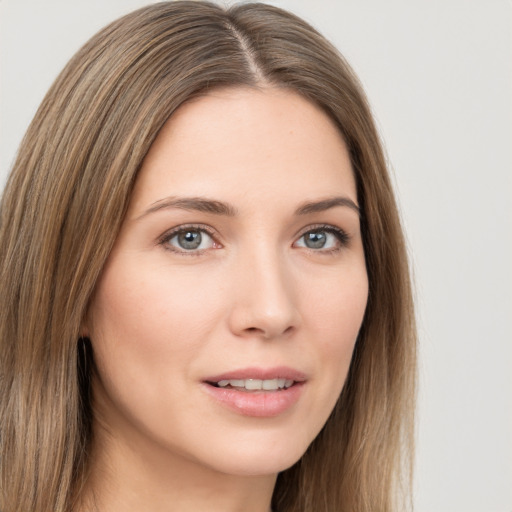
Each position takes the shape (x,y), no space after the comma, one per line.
(277,372)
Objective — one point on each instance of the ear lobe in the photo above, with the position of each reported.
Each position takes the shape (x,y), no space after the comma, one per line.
(84,331)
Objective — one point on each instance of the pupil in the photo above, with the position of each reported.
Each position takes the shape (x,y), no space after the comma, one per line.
(315,240)
(190,239)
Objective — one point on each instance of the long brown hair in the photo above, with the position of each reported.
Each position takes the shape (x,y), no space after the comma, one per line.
(62,209)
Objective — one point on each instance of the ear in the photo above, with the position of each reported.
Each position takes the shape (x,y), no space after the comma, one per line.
(84,331)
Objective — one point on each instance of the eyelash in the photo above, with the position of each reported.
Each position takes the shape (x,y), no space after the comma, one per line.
(169,235)
(341,235)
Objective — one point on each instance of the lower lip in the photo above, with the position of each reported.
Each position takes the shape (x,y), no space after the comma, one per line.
(262,404)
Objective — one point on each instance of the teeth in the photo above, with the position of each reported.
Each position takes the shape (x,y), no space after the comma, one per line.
(253,384)
(269,385)
(256,384)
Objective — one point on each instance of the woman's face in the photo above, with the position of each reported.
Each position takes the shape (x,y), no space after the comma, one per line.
(225,318)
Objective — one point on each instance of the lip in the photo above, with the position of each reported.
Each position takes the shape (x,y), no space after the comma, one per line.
(261,404)
(278,372)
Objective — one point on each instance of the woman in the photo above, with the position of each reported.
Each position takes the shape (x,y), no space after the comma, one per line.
(205,293)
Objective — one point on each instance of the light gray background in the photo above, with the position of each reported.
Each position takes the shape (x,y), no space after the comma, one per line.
(439,76)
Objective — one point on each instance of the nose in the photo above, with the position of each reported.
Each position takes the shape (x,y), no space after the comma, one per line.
(264,298)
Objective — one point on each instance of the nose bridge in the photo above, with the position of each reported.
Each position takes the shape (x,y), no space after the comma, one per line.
(265,301)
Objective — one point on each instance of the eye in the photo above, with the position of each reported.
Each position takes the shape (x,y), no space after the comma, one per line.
(188,239)
(326,238)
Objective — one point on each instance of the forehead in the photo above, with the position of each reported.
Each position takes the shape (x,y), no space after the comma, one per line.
(240,143)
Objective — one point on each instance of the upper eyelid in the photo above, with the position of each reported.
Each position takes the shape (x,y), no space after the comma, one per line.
(320,227)
(183,227)
(343,237)
(168,235)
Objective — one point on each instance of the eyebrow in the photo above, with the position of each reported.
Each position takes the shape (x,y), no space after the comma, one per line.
(198,204)
(327,204)
(206,205)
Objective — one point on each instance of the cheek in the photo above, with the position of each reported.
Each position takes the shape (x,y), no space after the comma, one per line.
(149,321)
(337,307)
(334,318)
(145,335)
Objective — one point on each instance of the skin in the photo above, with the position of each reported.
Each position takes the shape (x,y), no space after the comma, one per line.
(252,295)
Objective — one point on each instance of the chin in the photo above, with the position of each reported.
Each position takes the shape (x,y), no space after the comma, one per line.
(263,454)
(258,465)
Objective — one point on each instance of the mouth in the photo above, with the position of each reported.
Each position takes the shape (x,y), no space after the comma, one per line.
(251,385)
(257,392)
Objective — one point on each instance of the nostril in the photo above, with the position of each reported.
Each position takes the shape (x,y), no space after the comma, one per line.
(268,333)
